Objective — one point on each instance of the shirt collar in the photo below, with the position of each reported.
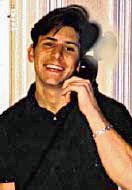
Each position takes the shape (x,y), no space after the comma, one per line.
(35,107)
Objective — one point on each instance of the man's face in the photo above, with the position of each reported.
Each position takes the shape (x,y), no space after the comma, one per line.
(56,56)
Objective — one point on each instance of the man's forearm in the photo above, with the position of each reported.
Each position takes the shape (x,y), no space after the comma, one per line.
(114,152)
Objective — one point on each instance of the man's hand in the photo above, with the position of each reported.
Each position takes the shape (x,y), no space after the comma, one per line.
(86,99)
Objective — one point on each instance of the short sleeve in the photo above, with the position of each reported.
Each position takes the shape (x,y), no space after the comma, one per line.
(7,165)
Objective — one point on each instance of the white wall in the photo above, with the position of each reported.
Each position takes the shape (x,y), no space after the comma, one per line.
(4,54)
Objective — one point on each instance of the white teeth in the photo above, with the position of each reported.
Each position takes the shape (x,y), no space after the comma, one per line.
(54,67)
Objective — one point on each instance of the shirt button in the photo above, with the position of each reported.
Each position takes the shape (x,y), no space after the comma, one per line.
(54,118)
(74,170)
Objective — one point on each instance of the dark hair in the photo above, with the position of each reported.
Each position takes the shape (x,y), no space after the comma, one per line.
(75,16)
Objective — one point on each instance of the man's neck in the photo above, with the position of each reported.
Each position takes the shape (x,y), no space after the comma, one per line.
(50,97)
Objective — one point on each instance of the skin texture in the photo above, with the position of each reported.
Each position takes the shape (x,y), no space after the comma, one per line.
(56,49)
(7,186)
(55,58)
(61,49)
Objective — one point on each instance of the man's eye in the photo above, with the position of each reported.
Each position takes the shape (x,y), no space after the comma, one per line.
(48,44)
(70,49)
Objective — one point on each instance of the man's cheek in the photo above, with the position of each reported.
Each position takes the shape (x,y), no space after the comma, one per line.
(71,73)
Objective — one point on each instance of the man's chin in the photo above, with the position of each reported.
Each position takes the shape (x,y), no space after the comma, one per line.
(52,83)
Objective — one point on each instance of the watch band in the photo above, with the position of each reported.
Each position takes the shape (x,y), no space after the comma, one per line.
(102,131)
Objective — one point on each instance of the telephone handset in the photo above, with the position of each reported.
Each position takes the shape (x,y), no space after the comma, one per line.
(88,68)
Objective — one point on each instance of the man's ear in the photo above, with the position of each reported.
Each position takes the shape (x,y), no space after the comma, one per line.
(30,52)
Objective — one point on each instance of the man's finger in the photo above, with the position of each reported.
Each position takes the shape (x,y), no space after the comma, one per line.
(81,85)
(75,79)
(72,79)
(76,87)
(67,96)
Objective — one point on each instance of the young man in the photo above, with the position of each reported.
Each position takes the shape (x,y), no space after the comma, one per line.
(63,135)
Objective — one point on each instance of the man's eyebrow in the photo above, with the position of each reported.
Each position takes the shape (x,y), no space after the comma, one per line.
(67,42)
(74,43)
(50,38)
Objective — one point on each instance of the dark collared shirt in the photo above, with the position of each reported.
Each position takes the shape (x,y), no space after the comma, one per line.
(43,151)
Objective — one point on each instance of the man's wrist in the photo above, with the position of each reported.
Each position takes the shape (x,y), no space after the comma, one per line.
(102,131)
(96,120)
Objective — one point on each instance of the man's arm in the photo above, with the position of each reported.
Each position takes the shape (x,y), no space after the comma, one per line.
(114,152)
(7,186)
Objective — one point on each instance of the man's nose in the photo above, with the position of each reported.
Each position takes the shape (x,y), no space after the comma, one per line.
(58,51)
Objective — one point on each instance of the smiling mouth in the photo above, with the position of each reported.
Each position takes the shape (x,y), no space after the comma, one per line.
(54,67)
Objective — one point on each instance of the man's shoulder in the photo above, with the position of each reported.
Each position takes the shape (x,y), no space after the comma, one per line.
(14,110)
(118,115)
(111,105)
(20,108)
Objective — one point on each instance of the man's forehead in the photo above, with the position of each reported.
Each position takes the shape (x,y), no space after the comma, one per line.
(65,33)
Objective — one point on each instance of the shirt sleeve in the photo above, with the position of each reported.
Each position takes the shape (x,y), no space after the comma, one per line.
(6,156)
(123,124)
(117,114)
